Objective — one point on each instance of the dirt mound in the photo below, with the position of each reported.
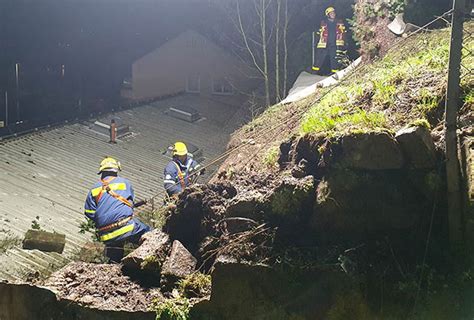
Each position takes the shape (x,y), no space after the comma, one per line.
(101,286)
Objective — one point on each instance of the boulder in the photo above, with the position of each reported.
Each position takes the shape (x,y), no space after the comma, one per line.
(371,151)
(418,146)
(247,205)
(353,205)
(179,264)
(291,200)
(198,209)
(249,291)
(150,255)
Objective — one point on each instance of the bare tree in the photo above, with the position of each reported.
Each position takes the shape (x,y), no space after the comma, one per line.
(262,26)
(277,52)
(285,49)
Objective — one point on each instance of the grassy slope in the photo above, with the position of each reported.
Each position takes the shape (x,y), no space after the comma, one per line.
(406,86)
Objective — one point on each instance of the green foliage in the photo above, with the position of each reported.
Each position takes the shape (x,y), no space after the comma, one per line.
(391,83)
(155,218)
(172,309)
(468,98)
(8,240)
(421,123)
(89,226)
(384,93)
(90,252)
(271,157)
(333,120)
(351,305)
(195,285)
(288,200)
(150,262)
(35,224)
(427,100)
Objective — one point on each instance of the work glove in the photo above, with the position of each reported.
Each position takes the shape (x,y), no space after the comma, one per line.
(140,203)
(342,58)
(341,54)
(199,169)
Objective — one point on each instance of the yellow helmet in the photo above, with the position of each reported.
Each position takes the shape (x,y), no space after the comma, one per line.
(109,164)
(329,10)
(180,149)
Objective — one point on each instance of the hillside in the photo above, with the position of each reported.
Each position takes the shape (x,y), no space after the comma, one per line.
(406,87)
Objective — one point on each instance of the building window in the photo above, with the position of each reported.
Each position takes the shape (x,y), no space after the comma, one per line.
(222,86)
(193,84)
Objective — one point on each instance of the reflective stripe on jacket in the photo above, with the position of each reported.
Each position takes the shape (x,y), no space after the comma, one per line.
(324,34)
(176,175)
(105,209)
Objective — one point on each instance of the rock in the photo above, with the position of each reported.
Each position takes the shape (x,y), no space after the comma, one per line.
(418,146)
(44,241)
(198,209)
(291,200)
(234,225)
(300,170)
(150,255)
(371,151)
(248,205)
(178,265)
(354,205)
(262,292)
(284,156)
(23,301)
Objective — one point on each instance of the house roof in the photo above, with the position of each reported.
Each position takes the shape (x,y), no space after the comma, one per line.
(183,36)
(48,173)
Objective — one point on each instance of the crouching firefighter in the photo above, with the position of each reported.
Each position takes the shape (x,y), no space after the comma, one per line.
(177,172)
(110,205)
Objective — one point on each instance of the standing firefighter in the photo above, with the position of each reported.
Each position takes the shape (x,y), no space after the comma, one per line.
(109,205)
(176,173)
(331,43)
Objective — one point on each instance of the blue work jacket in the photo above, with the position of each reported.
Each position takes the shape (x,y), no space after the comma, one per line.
(105,209)
(176,175)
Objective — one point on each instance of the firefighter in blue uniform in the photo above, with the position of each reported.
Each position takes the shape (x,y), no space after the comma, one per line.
(109,205)
(177,171)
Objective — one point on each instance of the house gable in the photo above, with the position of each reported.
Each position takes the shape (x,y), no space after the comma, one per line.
(170,68)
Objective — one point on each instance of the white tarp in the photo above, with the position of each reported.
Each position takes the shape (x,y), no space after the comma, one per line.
(306,83)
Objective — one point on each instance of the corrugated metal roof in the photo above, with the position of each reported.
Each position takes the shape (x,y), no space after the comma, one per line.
(48,173)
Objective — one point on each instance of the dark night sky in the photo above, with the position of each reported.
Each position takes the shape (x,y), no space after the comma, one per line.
(96,40)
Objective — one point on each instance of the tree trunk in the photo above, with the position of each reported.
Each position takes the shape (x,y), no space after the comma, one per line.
(263,29)
(277,53)
(285,46)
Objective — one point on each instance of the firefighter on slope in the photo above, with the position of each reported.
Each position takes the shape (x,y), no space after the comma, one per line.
(177,171)
(109,205)
(331,44)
